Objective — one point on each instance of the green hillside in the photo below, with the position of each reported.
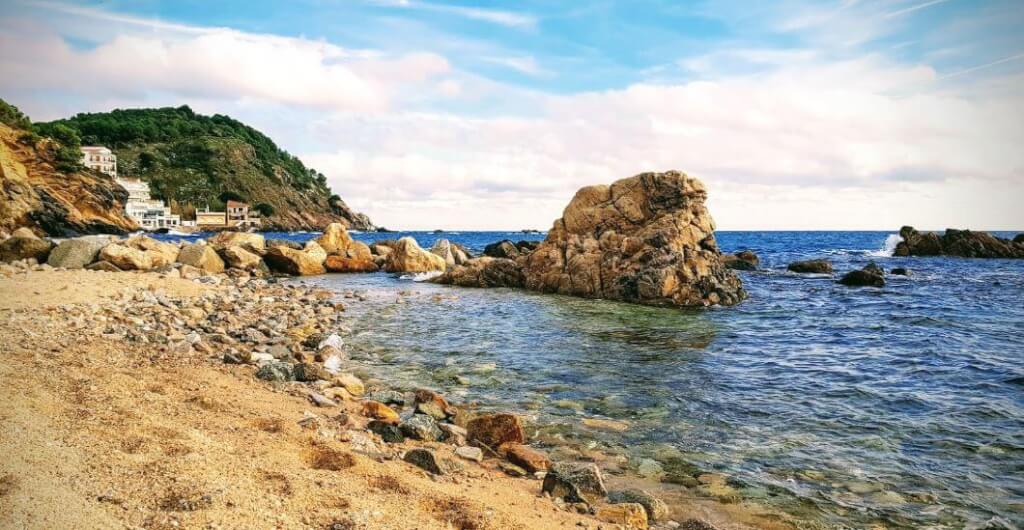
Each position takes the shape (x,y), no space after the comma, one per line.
(191,160)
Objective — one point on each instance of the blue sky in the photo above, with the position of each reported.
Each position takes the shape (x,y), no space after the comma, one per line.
(425,114)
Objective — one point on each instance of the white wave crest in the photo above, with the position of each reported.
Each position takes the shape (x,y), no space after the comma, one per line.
(888,248)
(421,276)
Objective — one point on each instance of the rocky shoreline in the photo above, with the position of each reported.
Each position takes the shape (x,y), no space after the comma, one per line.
(290,336)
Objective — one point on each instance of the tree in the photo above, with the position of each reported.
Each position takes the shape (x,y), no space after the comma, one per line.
(265,209)
(230,196)
(10,115)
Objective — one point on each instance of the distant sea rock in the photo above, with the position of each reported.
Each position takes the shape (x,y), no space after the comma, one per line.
(963,243)
(744,260)
(647,239)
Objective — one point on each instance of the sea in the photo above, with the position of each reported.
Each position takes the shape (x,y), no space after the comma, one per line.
(900,406)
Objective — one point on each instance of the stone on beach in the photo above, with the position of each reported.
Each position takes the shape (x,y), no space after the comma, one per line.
(22,247)
(493,430)
(407,256)
(335,238)
(428,460)
(78,252)
(249,241)
(380,411)
(240,258)
(421,427)
(201,256)
(126,258)
(526,457)
(275,371)
(575,482)
(294,262)
(470,453)
(628,514)
(656,508)
(813,266)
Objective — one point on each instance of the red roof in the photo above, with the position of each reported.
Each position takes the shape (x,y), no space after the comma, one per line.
(236,204)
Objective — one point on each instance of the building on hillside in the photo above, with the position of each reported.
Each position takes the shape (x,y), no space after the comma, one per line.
(100,158)
(151,214)
(208,219)
(239,216)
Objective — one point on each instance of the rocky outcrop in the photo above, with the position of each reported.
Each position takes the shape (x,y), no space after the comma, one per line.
(646,239)
(407,256)
(451,254)
(34,193)
(345,254)
(962,243)
(241,258)
(249,241)
(870,276)
(507,249)
(812,266)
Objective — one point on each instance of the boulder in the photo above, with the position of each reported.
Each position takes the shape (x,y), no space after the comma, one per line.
(337,263)
(813,266)
(900,271)
(628,515)
(484,272)
(276,371)
(656,508)
(502,249)
(335,239)
(380,411)
(379,249)
(315,251)
(25,232)
(427,460)
(294,245)
(962,243)
(443,248)
(20,247)
(249,241)
(358,250)
(240,258)
(421,427)
(201,256)
(160,254)
(494,430)
(646,239)
(741,261)
(470,453)
(126,258)
(870,276)
(526,457)
(407,256)
(309,372)
(294,262)
(77,253)
(575,482)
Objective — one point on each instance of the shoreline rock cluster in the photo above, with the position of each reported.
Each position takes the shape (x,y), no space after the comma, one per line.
(290,335)
(646,239)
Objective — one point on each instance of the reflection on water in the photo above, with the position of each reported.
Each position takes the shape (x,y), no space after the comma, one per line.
(845,406)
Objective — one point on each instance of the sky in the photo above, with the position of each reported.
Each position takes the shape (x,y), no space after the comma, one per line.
(425,114)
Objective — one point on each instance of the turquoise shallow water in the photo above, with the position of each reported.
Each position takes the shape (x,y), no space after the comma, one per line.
(902,405)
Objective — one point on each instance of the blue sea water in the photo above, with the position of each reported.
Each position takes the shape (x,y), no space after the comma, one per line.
(845,407)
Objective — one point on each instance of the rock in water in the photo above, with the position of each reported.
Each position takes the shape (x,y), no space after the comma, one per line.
(656,508)
(493,430)
(485,272)
(645,239)
(813,266)
(407,256)
(502,249)
(335,263)
(963,243)
(870,276)
(741,261)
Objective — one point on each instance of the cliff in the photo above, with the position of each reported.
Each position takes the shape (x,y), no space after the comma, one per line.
(35,194)
(192,161)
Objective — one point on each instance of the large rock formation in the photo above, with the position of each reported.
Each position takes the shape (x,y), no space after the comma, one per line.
(34,193)
(963,243)
(646,239)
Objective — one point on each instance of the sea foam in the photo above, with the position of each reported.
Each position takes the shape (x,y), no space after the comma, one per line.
(888,248)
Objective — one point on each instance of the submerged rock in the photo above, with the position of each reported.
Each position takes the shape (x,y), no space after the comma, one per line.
(629,515)
(963,243)
(646,239)
(867,277)
(812,266)
(656,508)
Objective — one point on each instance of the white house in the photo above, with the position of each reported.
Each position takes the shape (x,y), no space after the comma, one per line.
(100,158)
(149,213)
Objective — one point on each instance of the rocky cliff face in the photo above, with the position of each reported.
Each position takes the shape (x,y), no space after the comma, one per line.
(963,243)
(646,239)
(36,195)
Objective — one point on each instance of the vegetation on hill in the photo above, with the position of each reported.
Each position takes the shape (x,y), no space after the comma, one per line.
(195,161)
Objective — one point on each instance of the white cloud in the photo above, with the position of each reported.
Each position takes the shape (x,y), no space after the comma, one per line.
(495,16)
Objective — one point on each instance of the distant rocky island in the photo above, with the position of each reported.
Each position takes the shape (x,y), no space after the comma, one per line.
(189,160)
(962,243)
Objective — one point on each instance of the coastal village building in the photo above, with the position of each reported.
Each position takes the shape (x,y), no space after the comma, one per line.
(151,214)
(238,215)
(100,158)
(208,219)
